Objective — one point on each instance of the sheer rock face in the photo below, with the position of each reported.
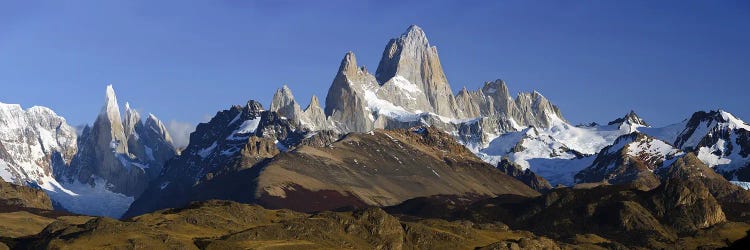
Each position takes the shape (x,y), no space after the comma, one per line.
(524,175)
(535,110)
(475,104)
(345,102)
(411,58)
(124,151)
(33,144)
(283,103)
(21,196)
(315,115)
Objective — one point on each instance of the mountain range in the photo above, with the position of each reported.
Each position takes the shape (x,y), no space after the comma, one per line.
(401,140)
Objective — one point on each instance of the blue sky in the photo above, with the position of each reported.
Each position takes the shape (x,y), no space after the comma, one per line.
(186,60)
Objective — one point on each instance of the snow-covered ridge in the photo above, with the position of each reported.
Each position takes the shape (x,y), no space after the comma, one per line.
(28,138)
(653,147)
(733,122)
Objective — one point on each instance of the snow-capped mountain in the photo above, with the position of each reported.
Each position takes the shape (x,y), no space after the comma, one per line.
(410,88)
(34,142)
(718,138)
(117,157)
(99,172)
(225,137)
(632,158)
(559,151)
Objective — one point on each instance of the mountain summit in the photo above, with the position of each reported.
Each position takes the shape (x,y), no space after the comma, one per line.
(410,63)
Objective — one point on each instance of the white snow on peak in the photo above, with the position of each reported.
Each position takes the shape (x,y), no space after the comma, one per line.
(650,148)
(668,133)
(203,153)
(111,109)
(384,107)
(247,127)
(733,122)
(700,131)
(403,83)
(546,151)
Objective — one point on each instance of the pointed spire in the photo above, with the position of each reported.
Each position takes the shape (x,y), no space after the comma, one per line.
(109,123)
(154,124)
(111,109)
(130,121)
(313,103)
(348,64)
(416,34)
(283,99)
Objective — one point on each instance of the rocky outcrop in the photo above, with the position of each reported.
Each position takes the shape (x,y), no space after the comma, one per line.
(691,168)
(12,195)
(688,205)
(524,175)
(535,110)
(323,138)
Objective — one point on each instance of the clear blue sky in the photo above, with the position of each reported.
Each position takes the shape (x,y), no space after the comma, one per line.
(185,60)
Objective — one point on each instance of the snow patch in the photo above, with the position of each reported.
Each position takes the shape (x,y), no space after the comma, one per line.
(203,153)
(403,83)
(94,200)
(247,127)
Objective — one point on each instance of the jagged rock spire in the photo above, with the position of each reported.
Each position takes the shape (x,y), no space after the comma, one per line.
(349,64)
(412,58)
(111,131)
(154,124)
(130,121)
(283,102)
(314,116)
(314,103)
(345,101)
